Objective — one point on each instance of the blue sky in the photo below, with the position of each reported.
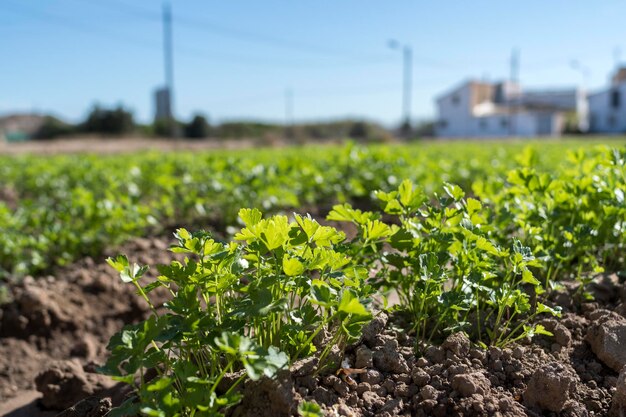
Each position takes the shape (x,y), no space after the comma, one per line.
(235,59)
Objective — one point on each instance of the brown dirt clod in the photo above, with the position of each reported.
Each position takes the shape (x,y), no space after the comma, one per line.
(549,388)
(618,404)
(470,384)
(607,339)
(65,383)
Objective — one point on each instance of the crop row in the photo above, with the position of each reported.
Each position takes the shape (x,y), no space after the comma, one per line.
(481,260)
(55,209)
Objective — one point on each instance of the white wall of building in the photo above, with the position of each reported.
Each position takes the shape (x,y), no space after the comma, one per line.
(607,110)
(567,100)
(454,109)
(460,117)
(503,125)
(564,99)
(492,125)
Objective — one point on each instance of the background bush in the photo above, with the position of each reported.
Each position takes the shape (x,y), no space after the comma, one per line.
(118,121)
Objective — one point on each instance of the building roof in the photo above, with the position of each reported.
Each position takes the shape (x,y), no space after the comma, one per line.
(469,82)
(26,123)
(506,97)
(619,76)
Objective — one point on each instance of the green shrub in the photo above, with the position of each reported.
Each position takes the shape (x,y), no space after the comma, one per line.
(198,128)
(52,128)
(236,308)
(117,121)
(449,273)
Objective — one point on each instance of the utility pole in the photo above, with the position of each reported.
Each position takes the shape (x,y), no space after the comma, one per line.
(407,82)
(585,72)
(289,112)
(407,55)
(168,57)
(514,80)
(515,65)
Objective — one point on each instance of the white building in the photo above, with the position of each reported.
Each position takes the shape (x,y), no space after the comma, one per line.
(19,127)
(607,108)
(482,109)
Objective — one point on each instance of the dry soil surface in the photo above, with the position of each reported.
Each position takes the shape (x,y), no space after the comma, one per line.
(54,333)
(103,145)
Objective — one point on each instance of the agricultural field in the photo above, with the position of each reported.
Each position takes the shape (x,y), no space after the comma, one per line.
(435,278)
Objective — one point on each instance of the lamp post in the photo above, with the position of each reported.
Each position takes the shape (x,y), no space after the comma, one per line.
(407,64)
(289,131)
(168,60)
(585,72)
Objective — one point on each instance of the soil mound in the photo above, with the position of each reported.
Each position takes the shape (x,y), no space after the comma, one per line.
(70,315)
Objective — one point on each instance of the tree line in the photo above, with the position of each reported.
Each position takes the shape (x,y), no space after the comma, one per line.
(119,121)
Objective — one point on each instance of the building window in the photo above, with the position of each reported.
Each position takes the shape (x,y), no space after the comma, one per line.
(482,124)
(504,122)
(615,99)
(443,124)
(456,100)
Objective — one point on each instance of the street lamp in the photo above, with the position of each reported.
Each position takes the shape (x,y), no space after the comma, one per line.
(407,63)
(583,123)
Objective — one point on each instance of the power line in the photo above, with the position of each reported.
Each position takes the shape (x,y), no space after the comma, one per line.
(221,57)
(306,93)
(229,58)
(111,33)
(238,34)
(260,38)
(275,42)
(72,24)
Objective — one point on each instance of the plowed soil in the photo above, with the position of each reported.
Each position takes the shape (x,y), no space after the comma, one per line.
(54,333)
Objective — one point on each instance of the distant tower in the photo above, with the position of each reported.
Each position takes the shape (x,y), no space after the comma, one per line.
(162,104)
